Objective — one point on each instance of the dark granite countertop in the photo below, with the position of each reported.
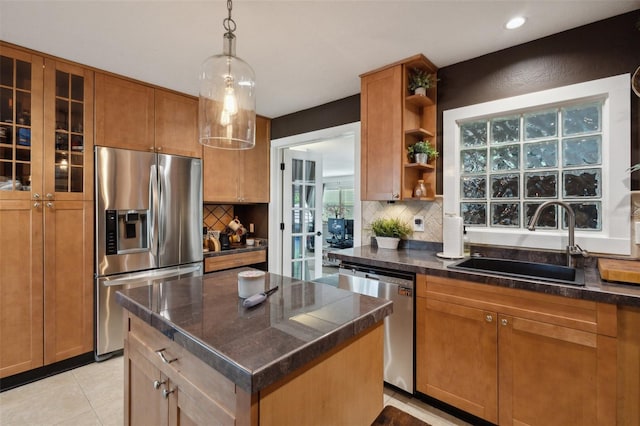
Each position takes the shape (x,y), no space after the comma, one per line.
(258,346)
(426,262)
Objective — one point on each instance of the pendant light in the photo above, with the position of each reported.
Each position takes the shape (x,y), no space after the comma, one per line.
(227,110)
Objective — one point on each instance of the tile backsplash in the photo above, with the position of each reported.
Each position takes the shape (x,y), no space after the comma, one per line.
(216,217)
(405,210)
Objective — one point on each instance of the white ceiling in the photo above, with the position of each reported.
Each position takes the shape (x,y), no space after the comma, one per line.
(304,53)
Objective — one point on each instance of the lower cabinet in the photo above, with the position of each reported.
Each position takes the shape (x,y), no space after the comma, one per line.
(516,357)
(157,391)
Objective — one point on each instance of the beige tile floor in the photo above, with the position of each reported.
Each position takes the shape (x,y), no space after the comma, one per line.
(93,395)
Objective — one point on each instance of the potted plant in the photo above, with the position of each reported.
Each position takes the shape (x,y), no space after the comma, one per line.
(420,81)
(422,152)
(388,232)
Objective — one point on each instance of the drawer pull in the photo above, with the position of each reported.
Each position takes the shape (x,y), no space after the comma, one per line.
(164,359)
(166,392)
(158,383)
(489,318)
(504,322)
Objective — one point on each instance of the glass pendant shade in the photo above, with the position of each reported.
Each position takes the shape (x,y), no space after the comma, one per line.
(227,110)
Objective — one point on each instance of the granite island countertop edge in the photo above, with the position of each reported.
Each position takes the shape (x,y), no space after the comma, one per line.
(254,381)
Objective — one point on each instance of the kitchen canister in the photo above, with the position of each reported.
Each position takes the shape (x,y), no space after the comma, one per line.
(250,283)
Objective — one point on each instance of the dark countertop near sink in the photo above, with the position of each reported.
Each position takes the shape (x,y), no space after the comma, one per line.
(426,262)
(254,347)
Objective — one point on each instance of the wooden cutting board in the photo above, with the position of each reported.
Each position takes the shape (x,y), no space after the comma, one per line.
(626,271)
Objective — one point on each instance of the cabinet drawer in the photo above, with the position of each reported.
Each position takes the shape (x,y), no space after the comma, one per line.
(574,313)
(218,263)
(186,371)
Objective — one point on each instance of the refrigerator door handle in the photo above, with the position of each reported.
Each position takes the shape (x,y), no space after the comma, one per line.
(150,276)
(153,209)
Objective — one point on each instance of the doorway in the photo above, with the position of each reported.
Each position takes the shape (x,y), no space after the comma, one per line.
(339,148)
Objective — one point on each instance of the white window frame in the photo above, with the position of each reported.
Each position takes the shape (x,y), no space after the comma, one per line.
(615,236)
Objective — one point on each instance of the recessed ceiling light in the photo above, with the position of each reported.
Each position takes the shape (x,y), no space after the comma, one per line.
(514,23)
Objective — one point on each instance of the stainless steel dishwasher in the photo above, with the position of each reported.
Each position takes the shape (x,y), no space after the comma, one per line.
(398,327)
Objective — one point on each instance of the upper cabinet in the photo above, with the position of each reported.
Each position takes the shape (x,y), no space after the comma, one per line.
(135,116)
(392,119)
(238,176)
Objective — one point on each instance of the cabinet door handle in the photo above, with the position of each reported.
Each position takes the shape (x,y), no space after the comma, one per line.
(489,318)
(504,322)
(163,358)
(36,204)
(158,383)
(49,195)
(36,196)
(166,392)
(158,148)
(396,196)
(49,205)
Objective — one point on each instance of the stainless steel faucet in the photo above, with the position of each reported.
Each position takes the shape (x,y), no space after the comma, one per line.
(572,248)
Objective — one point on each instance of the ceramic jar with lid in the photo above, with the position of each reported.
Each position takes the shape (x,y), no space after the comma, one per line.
(420,190)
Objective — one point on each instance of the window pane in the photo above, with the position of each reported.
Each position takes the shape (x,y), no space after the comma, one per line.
(474,187)
(310,171)
(588,215)
(541,124)
(473,160)
(296,195)
(474,213)
(503,214)
(296,247)
(547,218)
(505,186)
(541,154)
(505,158)
(584,151)
(505,129)
(473,134)
(541,184)
(582,183)
(296,170)
(581,119)
(296,221)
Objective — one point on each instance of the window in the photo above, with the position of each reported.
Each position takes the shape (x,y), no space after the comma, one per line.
(504,158)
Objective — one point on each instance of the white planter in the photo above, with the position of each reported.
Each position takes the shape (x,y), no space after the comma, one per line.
(421,91)
(387,242)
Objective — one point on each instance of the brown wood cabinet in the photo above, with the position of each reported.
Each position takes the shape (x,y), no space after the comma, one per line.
(516,357)
(46,223)
(238,176)
(166,384)
(132,115)
(391,120)
(235,260)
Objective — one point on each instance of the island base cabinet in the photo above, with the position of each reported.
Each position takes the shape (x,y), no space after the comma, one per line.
(167,385)
(514,357)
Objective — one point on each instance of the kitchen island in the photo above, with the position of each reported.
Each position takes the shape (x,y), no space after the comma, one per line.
(310,354)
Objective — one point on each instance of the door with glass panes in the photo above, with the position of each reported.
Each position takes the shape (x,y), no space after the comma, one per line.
(302,215)
(46,226)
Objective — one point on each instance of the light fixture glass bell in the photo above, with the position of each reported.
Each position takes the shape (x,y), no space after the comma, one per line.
(227,110)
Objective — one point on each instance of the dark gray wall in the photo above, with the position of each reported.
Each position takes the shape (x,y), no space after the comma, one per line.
(602,49)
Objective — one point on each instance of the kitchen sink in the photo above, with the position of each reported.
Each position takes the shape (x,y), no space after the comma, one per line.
(522,269)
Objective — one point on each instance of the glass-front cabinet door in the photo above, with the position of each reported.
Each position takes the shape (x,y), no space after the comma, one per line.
(21,87)
(68,130)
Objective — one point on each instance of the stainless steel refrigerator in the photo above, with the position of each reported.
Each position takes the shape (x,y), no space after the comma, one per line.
(148,229)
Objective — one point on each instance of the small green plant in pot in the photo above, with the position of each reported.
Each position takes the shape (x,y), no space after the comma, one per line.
(422,152)
(388,232)
(420,81)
